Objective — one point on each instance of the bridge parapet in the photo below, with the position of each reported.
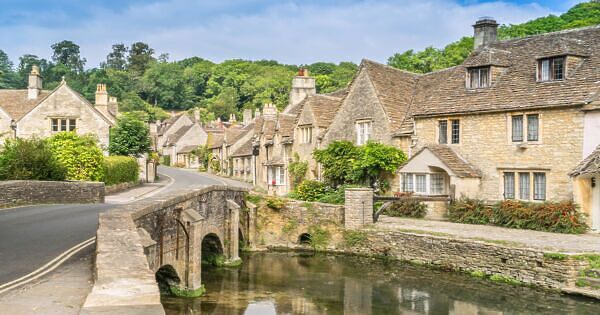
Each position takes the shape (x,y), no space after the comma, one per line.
(136,240)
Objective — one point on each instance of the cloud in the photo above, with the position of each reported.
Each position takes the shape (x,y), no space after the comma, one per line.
(287,31)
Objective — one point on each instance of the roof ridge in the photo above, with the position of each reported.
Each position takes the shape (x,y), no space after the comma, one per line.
(390,67)
(565,31)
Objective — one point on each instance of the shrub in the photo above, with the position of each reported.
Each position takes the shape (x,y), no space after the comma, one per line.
(354,238)
(120,169)
(80,155)
(166,160)
(310,190)
(319,237)
(297,170)
(131,136)
(409,207)
(29,159)
(338,196)
(559,217)
(275,203)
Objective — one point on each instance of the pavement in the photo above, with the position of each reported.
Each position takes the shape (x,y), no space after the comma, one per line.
(554,242)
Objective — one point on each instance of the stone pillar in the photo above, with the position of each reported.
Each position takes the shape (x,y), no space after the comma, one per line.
(358,208)
(234,226)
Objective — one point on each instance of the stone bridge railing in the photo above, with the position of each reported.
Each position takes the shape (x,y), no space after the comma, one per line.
(135,240)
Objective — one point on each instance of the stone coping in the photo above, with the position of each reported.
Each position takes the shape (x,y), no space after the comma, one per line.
(124,283)
(31,192)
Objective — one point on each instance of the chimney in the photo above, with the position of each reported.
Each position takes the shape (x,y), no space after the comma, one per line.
(302,86)
(35,83)
(102,99)
(269,112)
(247,116)
(113,106)
(486,32)
(153,126)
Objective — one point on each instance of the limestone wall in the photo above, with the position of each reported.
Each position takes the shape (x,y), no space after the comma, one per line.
(358,207)
(22,192)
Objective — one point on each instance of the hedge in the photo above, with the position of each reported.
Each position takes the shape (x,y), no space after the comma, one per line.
(120,169)
(559,217)
(30,159)
(408,208)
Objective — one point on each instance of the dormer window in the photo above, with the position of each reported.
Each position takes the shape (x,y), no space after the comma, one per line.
(551,69)
(478,78)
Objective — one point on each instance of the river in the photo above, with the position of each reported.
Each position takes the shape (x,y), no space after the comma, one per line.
(301,283)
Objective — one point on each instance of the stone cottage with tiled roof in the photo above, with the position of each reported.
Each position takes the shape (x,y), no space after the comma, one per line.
(41,113)
(521,112)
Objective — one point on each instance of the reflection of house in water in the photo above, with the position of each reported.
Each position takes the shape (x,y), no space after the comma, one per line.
(466,308)
(411,301)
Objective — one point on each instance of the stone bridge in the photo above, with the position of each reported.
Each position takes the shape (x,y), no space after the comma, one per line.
(170,234)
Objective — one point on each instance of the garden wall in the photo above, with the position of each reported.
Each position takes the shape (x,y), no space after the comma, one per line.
(25,192)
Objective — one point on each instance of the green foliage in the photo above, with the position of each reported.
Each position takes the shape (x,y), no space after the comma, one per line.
(203,154)
(556,256)
(505,279)
(166,160)
(408,207)
(29,159)
(477,274)
(559,217)
(130,136)
(593,259)
(319,237)
(120,169)
(310,190)
(297,170)
(215,164)
(175,290)
(275,203)
(290,226)
(336,196)
(80,155)
(354,238)
(371,164)
(254,198)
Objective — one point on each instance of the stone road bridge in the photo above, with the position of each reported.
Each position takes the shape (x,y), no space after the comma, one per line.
(177,232)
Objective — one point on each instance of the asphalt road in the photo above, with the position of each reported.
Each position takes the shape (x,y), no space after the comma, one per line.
(34,235)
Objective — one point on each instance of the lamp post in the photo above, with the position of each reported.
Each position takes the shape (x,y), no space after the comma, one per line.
(13,126)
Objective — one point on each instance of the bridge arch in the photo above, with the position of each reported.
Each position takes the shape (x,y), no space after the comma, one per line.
(304,239)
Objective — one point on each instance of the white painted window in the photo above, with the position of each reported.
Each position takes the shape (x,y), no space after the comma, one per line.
(421,183)
(63,124)
(276,176)
(527,186)
(426,184)
(363,132)
(479,77)
(305,134)
(509,185)
(437,184)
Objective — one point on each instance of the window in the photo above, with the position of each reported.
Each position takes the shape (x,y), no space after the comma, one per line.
(539,186)
(443,131)
(305,134)
(524,187)
(421,182)
(437,184)
(407,182)
(509,185)
(551,69)
(479,77)
(363,129)
(276,176)
(455,131)
(517,128)
(61,124)
(532,127)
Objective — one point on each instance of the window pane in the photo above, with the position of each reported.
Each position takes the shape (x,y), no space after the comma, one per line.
(539,186)
(509,185)
(483,77)
(409,182)
(443,131)
(437,184)
(455,131)
(545,70)
(517,128)
(55,124)
(474,77)
(558,65)
(532,127)
(421,181)
(72,124)
(63,125)
(524,186)
(281,176)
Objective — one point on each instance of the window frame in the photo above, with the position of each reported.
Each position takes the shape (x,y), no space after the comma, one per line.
(537,126)
(509,193)
(531,128)
(277,174)
(60,124)
(478,72)
(305,136)
(517,133)
(415,182)
(528,185)
(455,138)
(363,131)
(443,123)
(551,64)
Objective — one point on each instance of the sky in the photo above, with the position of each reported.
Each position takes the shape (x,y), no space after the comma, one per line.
(289,31)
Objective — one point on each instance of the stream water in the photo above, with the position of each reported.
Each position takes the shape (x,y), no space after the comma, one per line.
(299,283)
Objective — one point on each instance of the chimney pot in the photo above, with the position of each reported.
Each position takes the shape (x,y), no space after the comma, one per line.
(486,32)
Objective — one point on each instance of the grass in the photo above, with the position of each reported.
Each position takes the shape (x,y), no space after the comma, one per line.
(505,279)
(556,256)
(582,283)
(354,238)
(477,274)
(593,259)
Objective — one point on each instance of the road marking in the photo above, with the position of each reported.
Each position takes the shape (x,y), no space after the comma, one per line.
(45,269)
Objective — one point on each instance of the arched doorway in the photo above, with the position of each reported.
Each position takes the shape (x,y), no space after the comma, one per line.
(166,277)
(212,250)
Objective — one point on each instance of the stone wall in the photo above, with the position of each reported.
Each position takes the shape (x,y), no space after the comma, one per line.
(25,192)
(358,207)
(528,266)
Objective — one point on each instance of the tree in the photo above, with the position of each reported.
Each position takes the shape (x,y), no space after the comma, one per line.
(164,84)
(25,63)
(130,136)
(376,164)
(67,53)
(80,155)
(7,75)
(29,159)
(337,160)
(117,58)
(225,103)
(140,58)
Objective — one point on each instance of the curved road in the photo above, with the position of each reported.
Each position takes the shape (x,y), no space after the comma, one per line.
(34,235)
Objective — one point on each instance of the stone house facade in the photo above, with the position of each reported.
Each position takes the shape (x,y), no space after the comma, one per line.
(42,113)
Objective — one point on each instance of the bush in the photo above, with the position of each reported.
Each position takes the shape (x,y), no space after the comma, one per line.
(338,196)
(30,159)
(409,207)
(275,203)
(120,169)
(131,136)
(310,190)
(80,155)
(297,170)
(559,217)
(166,160)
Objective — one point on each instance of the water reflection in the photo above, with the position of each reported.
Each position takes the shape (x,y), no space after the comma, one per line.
(292,283)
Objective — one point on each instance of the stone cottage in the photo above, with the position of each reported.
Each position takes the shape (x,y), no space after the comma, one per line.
(41,113)
(511,122)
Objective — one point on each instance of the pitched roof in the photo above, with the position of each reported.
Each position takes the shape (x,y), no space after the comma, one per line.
(460,166)
(215,140)
(285,124)
(245,149)
(323,108)
(16,104)
(187,149)
(173,138)
(394,89)
(444,92)
(589,165)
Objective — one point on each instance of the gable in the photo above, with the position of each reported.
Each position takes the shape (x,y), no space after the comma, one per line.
(306,117)
(425,162)
(195,136)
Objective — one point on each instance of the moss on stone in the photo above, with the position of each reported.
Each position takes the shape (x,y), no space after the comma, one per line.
(187,293)
(556,256)
(354,238)
(582,283)
(477,274)
(505,279)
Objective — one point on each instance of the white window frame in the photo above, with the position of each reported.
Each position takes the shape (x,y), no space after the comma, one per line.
(276,173)
(408,183)
(305,134)
(63,124)
(478,72)
(533,192)
(363,131)
(525,121)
